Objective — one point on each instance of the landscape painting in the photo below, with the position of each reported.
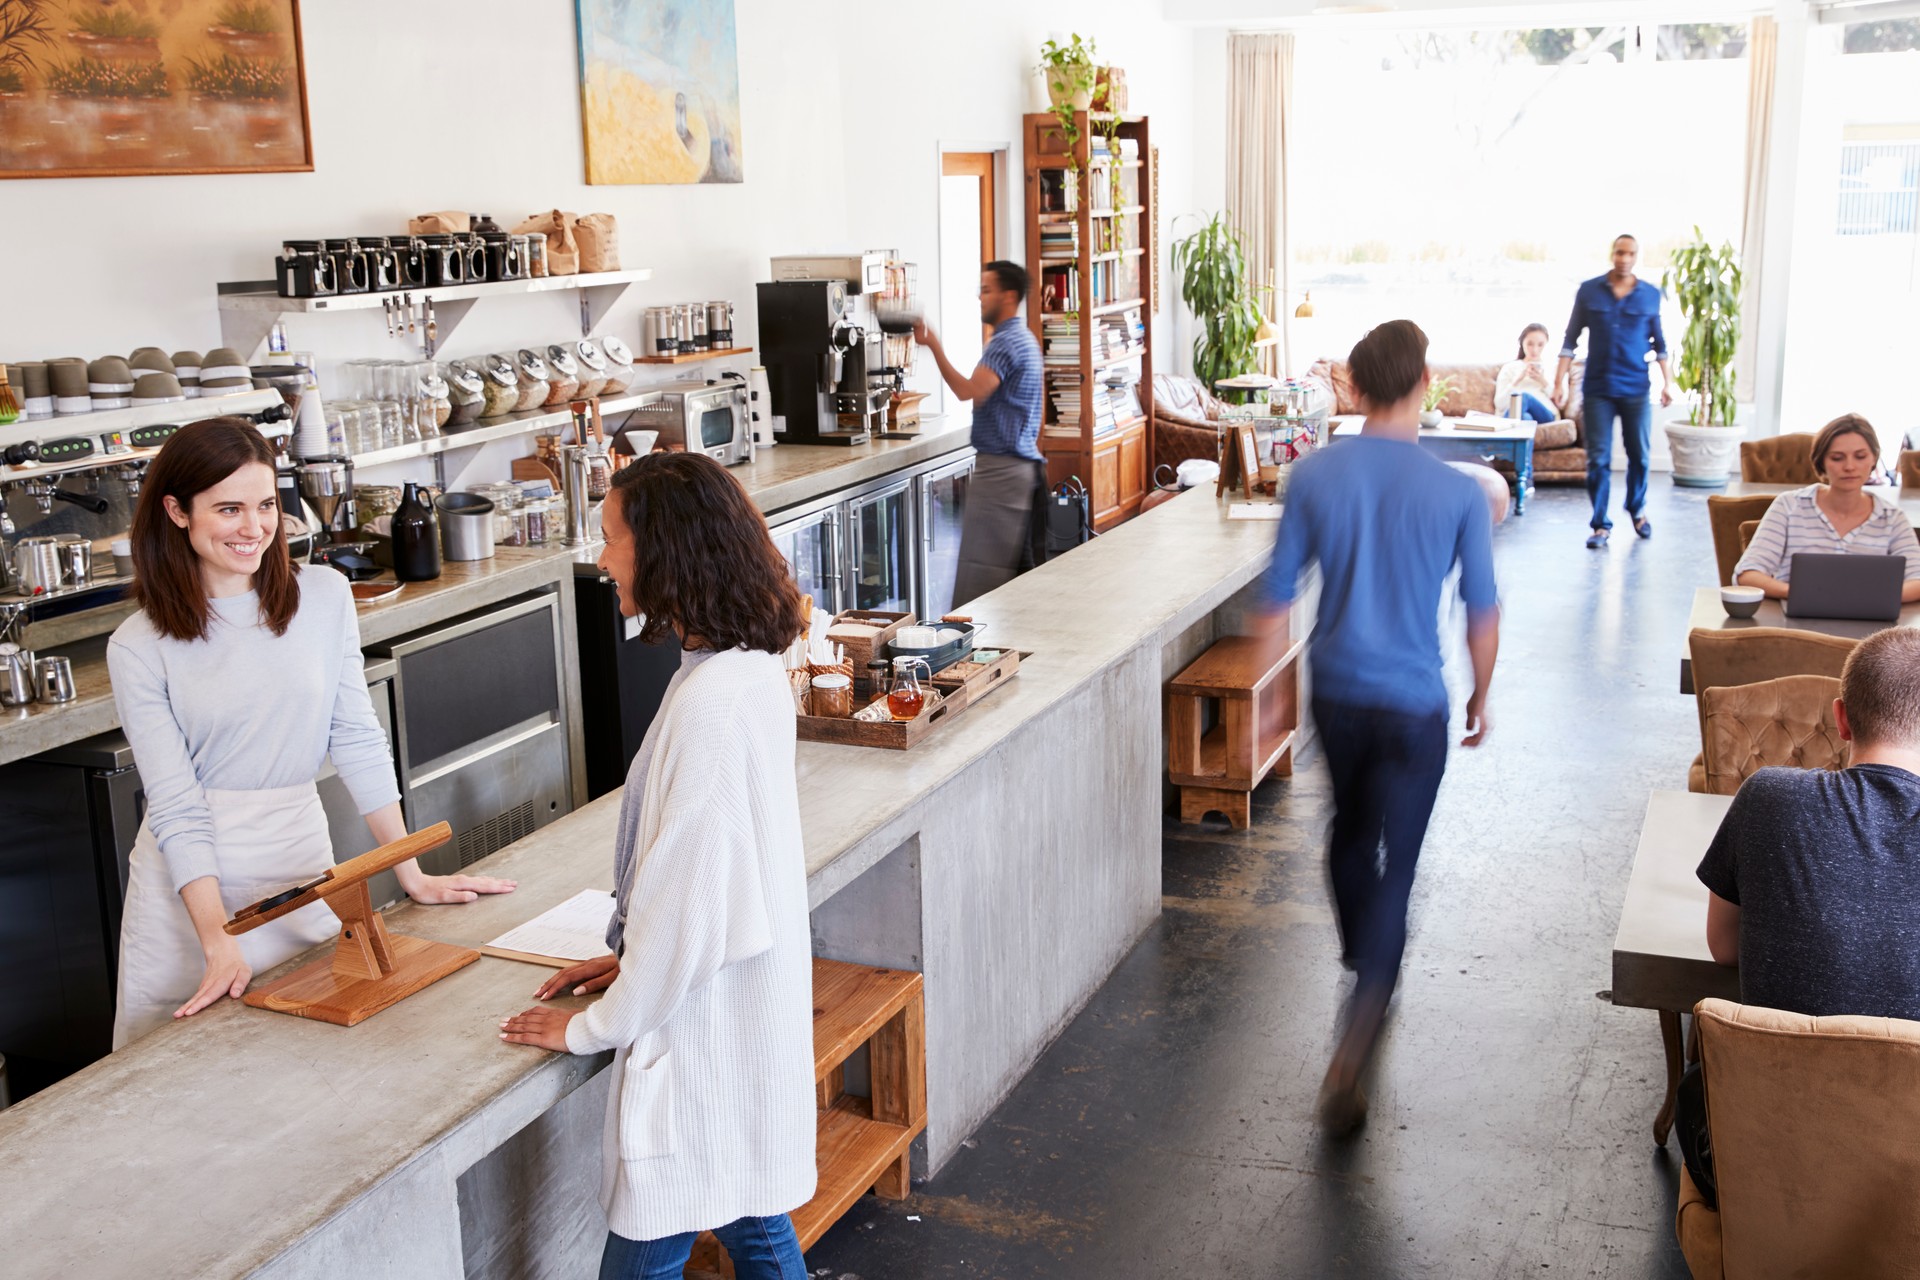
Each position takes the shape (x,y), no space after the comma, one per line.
(660,91)
(93,88)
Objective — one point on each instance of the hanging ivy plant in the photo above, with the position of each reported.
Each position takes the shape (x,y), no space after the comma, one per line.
(1071,75)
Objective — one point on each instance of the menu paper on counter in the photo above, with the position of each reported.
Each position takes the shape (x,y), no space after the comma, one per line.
(575,930)
(1254,511)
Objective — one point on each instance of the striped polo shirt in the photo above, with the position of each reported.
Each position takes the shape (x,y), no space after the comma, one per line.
(1795,525)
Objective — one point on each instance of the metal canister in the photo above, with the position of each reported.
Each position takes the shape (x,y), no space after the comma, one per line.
(683,328)
(698,315)
(1517,405)
(56,680)
(76,560)
(720,325)
(37,567)
(18,685)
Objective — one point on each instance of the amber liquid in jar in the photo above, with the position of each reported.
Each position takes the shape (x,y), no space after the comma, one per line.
(905,704)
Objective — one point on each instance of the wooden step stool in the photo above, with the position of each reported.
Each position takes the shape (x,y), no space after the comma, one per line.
(1259,717)
(861,1143)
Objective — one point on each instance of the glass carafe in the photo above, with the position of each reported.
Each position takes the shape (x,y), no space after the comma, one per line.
(906,692)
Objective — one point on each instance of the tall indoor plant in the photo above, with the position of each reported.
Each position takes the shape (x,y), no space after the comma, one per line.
(1705,281)
(1214,285)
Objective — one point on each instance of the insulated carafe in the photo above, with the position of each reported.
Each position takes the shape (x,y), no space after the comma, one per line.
(416,537)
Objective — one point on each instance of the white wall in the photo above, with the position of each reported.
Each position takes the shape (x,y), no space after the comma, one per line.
(844,109)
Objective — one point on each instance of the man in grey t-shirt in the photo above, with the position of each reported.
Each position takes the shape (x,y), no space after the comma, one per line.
(1815,876)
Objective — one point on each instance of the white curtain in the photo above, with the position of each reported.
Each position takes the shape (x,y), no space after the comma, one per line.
(1259,119)
(1763,43)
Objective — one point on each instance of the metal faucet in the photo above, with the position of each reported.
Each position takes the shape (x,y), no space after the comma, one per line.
(132,475)
(41,491)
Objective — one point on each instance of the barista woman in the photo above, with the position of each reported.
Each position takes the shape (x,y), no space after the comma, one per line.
(709,987)
(235,680)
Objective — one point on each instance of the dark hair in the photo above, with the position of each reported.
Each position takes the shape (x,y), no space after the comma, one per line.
(1538,328)
(703,562)
(166,568)
(1626,235)
(1011,275)
(1389,361)
(1880,688)
(1845,424)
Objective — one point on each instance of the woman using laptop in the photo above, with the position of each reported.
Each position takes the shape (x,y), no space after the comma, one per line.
(1835,517)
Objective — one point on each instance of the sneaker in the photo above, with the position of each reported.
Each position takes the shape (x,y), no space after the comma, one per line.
(1643,527)
(1341,1110)
(1598,541)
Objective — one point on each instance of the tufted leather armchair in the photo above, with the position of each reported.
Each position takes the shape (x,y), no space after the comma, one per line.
(1782,459)
(1749,727)
(1728,517)
(1558,453)
(1750,655)
(1812,1123)
(1186,420)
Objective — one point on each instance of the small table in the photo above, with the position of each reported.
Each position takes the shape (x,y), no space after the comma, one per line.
(1708,615)
(1246,386)
(1514,443)
(1660,956)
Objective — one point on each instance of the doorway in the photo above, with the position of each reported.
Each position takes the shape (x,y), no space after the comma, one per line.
(969,206)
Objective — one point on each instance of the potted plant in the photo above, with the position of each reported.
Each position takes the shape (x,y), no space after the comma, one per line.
(1430,415)
(1215,287)
(1070,71)
(247,28)
(1705,281)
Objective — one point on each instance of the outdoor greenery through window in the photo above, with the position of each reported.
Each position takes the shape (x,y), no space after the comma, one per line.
(1471,179)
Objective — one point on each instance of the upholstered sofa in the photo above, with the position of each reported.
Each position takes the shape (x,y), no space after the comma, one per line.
(1559,449)
(1186,420)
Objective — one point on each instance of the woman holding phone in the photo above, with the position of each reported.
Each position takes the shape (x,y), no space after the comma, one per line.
(709,984)
(236,679)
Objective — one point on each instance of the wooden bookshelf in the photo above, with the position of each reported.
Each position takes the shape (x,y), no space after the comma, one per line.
(1105,287)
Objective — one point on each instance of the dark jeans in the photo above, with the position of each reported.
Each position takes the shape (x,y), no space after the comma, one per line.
(1386,768)
(1690,1128)
(760,1248)
(1635,414)
(1534,409)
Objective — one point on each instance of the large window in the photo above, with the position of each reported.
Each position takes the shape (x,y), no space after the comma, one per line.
(1471,179)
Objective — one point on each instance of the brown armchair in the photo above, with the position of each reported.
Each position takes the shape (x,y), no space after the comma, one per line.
(1784,459)
(1788,722)
(1727,515)
(1812,1123)
(1725,659)
(1558,451)
(1186,420)
(1908,471)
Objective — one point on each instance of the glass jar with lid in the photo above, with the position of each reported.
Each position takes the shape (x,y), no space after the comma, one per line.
(466,392)
(619,366)
(509,528)
(435,399)
(593,369)
(533,252)
(532,371)
(501,386)
(372,501)
(538,519)
(563,376)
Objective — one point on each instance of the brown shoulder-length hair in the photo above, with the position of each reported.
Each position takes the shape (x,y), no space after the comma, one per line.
(1535,327)
(166,569)
(703,562)
(1845,424)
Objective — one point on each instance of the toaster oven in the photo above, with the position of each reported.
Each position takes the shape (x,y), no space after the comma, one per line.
(704,417)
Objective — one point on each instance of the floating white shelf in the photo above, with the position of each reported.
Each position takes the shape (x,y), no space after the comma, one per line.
(489,430)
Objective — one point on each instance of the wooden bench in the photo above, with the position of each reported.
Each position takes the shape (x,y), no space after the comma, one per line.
(1257,720)
(862,1143)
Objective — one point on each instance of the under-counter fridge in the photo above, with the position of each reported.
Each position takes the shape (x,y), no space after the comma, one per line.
(943,505)
(883,546)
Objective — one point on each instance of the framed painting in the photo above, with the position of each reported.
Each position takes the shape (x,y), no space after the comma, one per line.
(659,91)
(105,88)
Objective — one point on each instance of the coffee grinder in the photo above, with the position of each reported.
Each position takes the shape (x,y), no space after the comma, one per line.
(327,485)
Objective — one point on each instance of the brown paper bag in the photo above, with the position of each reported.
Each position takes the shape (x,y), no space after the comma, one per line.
(598,235)
(446,222)
(563,253)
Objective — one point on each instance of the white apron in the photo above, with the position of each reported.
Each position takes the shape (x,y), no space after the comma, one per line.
(263,842)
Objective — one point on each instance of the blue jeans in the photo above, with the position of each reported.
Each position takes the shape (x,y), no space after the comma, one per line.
(1386,768)
(761,1249)
(1635,415)
(1534,409)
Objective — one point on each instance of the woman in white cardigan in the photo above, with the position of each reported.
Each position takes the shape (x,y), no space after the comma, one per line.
(709,987)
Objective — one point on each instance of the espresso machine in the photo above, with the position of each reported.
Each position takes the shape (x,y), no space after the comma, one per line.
(816,356)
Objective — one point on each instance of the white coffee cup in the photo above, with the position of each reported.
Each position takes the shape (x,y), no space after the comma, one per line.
(123,557)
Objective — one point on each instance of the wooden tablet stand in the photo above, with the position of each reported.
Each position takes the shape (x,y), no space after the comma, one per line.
(370,968)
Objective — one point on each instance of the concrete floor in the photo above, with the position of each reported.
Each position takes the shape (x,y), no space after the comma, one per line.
(1168,1131)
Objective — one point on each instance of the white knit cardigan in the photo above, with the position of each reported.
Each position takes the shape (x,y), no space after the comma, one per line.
(711,1114)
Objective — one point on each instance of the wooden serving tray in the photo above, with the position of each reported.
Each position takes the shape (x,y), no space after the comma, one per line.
(957,693)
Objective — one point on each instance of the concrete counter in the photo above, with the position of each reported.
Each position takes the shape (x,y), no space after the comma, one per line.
(1013,859)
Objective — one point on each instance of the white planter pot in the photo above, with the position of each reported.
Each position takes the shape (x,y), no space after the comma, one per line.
(1431,418)
(1703,456)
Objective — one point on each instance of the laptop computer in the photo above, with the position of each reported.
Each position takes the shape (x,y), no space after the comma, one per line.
(1864,587)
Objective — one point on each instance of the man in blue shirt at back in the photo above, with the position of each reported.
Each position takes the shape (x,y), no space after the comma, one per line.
(1387,522)
(1621,315)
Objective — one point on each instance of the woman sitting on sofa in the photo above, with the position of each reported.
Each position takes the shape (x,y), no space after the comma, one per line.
(1838,517)
(1527,374)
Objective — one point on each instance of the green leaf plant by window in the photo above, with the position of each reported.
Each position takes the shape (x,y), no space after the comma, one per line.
(1214,285)
(1705,281)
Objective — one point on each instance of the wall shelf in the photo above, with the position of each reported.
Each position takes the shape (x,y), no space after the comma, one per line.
(694,357)
(111,420)
(248,308)
(488,430)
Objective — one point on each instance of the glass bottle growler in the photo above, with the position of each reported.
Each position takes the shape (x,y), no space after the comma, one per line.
(416,537)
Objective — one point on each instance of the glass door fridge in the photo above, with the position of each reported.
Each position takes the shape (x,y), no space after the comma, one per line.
(943,501)
(811,544)
(883,546)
